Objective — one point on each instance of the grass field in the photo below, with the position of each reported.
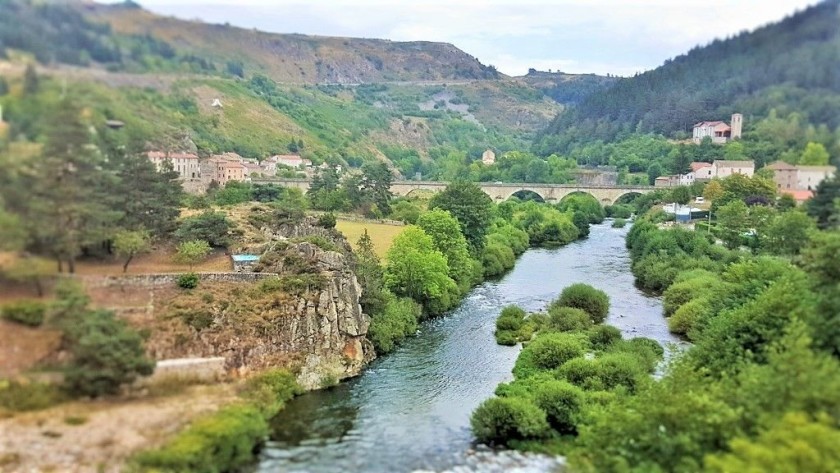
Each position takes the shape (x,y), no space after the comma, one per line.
(382,234)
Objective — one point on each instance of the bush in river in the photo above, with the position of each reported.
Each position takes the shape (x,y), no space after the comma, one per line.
(585,297)
(568,319)
(499,420)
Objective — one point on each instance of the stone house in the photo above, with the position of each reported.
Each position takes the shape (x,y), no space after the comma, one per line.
(722,169)
(291,160)
(488,158)
(187,165)
(789,177)
(718,131)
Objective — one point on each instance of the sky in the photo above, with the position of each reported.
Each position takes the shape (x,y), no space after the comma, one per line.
(574,36)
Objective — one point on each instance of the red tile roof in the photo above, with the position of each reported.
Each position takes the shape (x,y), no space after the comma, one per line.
(800,196)
(696,166)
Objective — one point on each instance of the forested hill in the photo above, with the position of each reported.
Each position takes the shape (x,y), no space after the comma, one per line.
(792,66)
(126,37)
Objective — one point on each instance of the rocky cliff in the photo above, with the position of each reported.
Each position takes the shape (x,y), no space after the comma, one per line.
(307,317)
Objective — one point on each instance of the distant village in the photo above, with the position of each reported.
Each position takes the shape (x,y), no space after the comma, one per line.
(796,180)
(197,173)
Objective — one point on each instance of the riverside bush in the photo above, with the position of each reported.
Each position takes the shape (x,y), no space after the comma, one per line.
(270,390)
(561,402)
(551,350)
(511,318)
(688,315)
(585,297)
(619,223)
(397,321)
(499,420)
(29,313)
(602,336)
(568,319)
(220,442)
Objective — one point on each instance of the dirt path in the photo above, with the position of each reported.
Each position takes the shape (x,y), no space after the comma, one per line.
(110,431)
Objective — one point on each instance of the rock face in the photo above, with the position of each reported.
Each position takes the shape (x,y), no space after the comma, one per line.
(307,317)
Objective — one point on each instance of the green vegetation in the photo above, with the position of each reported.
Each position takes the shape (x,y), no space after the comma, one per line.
(192,252)
(31,313)
(778,76)
(564,375)
(225,440)
(188,281)
(17,396)
(586,298)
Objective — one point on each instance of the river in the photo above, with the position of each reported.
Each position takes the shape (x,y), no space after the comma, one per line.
(410,409)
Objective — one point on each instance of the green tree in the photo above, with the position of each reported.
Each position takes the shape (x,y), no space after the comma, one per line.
(149,199)
(787,233)
(417,270)
(192,252)
(713,190)
(681,195)
(822,206)
(814,154)
(446,235)
(732,221)
(371,276)
(376,185)
(654,171)
(128,244)
(106,354)
(209,226)
(471,206)
(69,199)
(31,81)
(594,302)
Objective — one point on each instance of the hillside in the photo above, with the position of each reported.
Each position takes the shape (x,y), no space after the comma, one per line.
(346,100)
(783,72)
(565,88)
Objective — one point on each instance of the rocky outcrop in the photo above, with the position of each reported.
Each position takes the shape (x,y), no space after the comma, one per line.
(303,312)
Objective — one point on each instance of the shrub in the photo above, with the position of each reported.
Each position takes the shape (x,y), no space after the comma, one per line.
(602,336)
(506,338)
(496,259)
(17,396)
(688,315)
(220,442)
(106,352)
(568,319)
(619,223)
(585,297)
(511,318)
(605,372)
(327,220)
(684,291)
(551,350)
(561,402)
(29,313)
(647,352)
(188,281)
(499,420)
(271,389)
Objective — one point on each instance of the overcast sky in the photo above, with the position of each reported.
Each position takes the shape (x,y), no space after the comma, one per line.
(601,36)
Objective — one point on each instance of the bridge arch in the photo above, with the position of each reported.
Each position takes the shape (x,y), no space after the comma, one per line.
(527,194)
(627,197)
(583,193)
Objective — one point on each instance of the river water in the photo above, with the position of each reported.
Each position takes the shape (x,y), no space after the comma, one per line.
(410,410)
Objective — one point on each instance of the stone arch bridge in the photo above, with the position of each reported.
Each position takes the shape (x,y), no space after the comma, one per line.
(497,191)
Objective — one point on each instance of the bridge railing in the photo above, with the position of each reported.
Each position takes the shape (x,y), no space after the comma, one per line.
(518,185)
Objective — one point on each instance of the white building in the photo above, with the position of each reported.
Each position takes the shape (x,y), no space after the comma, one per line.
(291,160)
(185,164)
(488,158)
(718,131)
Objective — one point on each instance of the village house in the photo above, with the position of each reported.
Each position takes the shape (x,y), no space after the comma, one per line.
(789,178)
(718,131)
(707,171)
(722,169)
(185,164)
(291,160)
(488,158)
(227,167)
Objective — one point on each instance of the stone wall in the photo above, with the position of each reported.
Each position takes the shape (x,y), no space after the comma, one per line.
(201,370)
(165,279)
